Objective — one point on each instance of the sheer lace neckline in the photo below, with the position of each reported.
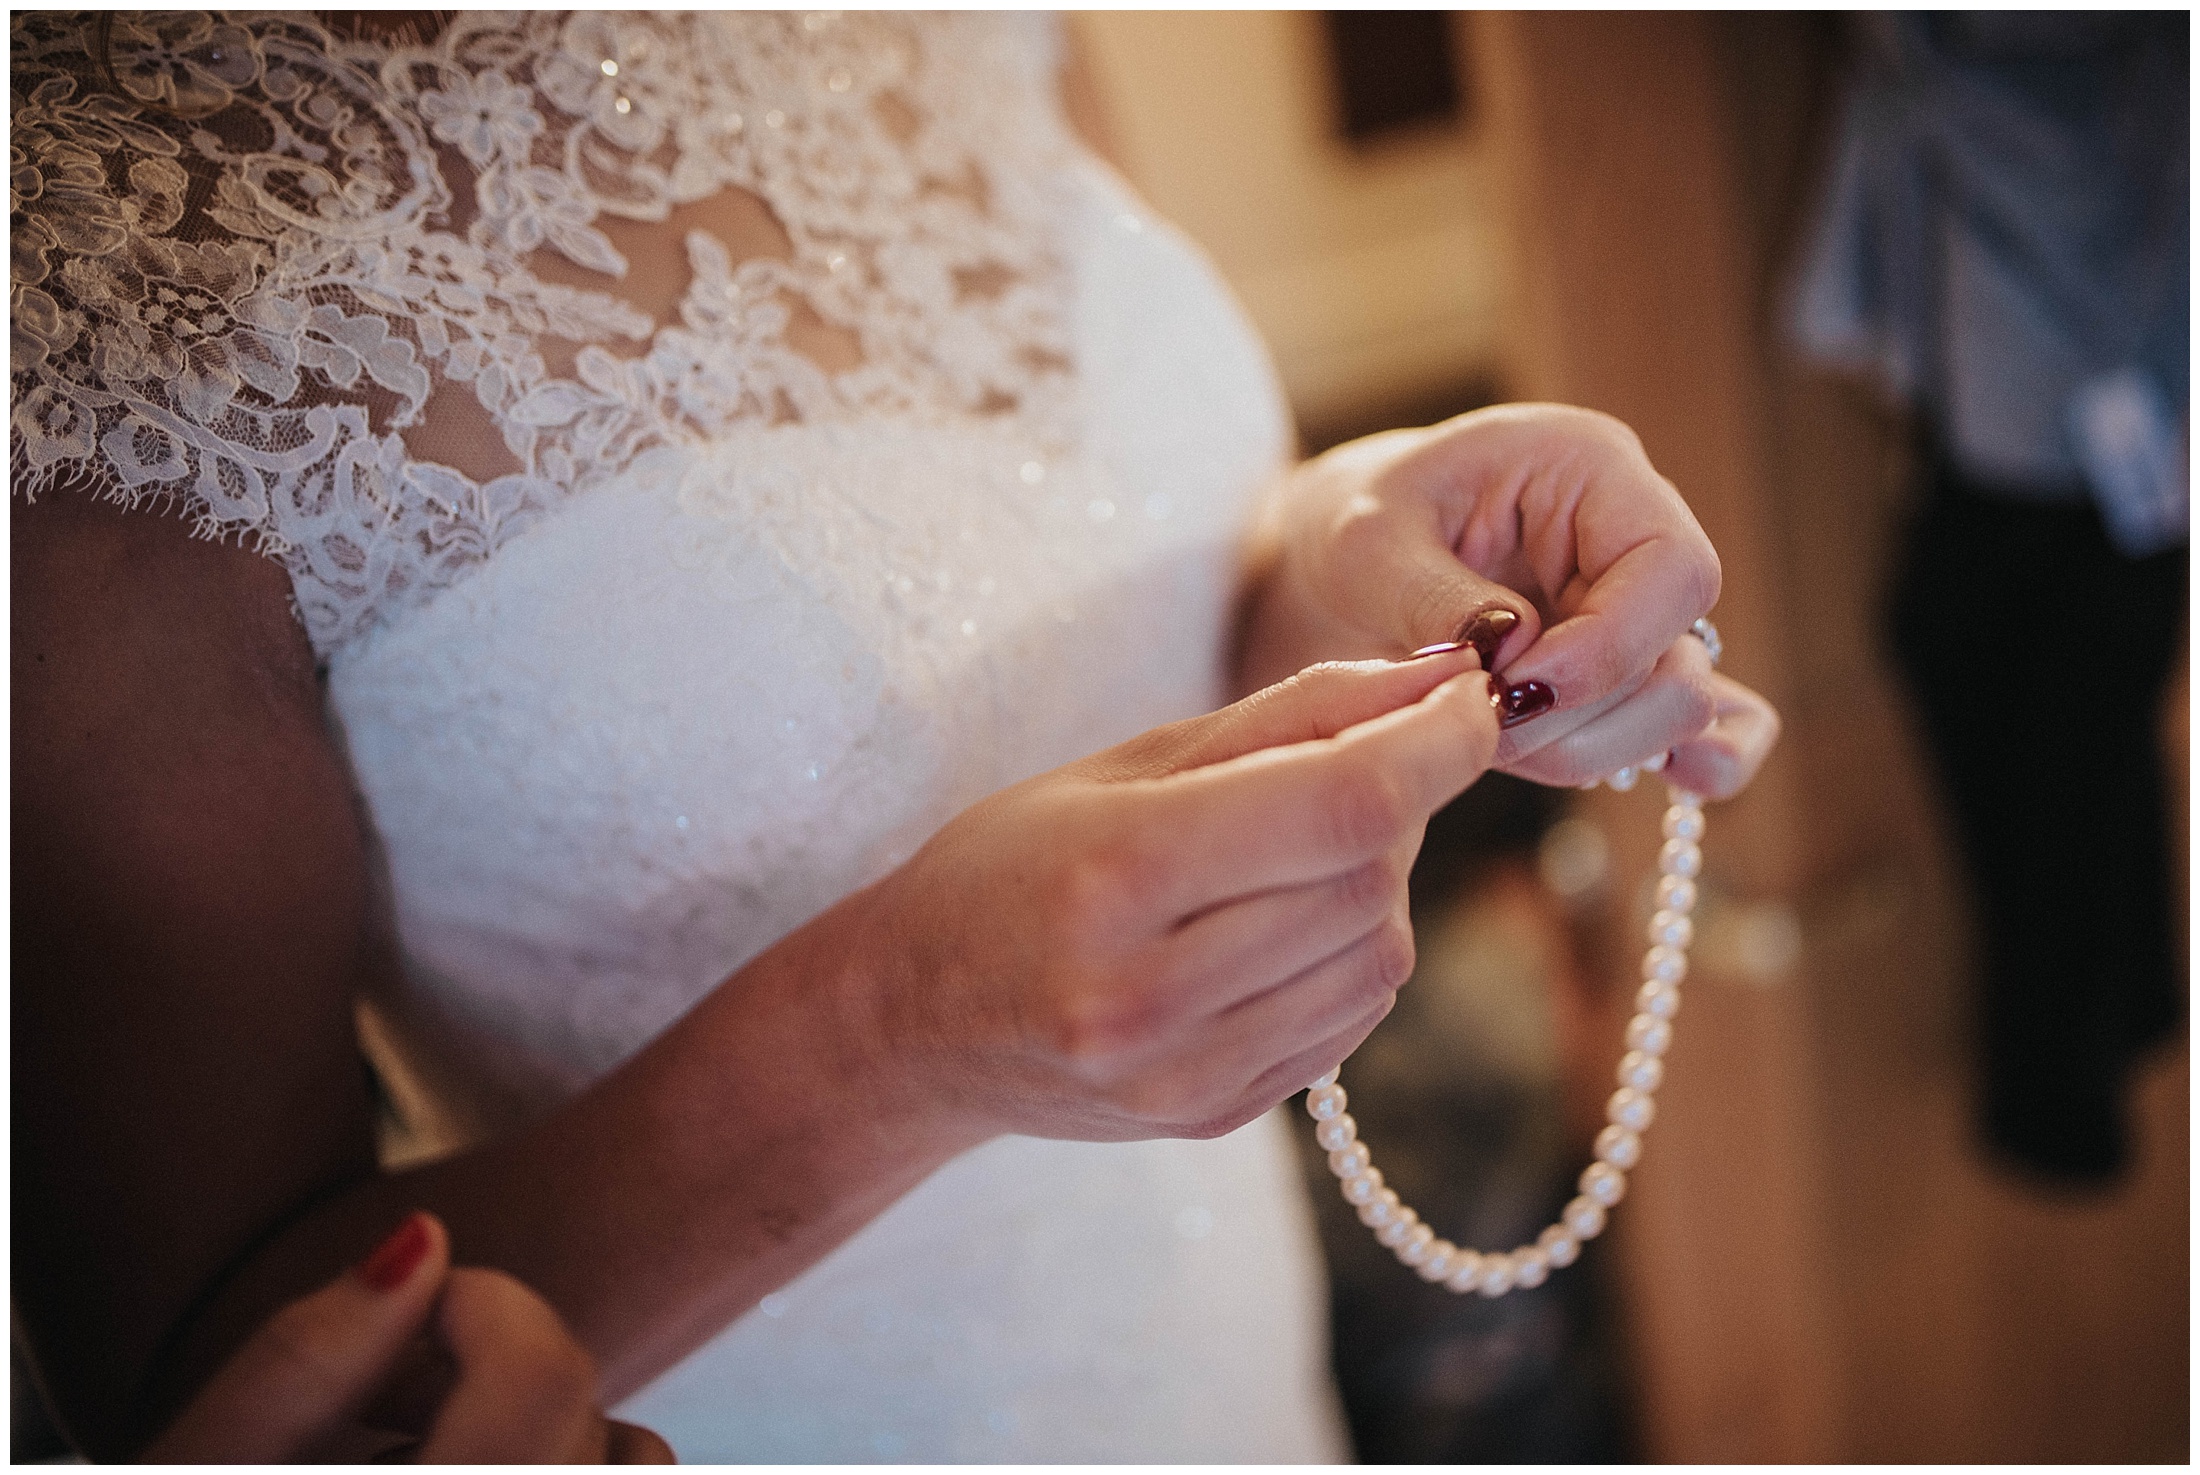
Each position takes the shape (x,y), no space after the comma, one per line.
(282,276)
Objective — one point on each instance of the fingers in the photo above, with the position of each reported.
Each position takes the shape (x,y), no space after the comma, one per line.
(1556,502)
(1280,1080)
(317,1360)
(1719,762)
(1303,813)
(1672,707)
(1245,947)
(1318,1018)
(1293,1074)
(631,1444)
(1279,1040)
(526,1389)
(1716,731)
(1320,701)
(1633,611)
(1426,594)
(1387,555)
(1612,549)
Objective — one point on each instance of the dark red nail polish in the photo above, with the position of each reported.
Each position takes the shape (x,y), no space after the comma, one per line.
(396,1258)
(1516,704)
(1486,632)
(1442,647)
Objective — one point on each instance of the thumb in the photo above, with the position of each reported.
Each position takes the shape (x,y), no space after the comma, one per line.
(526,1390)
(1419,592)
(316,1361)
(1319,702)
(1405,562)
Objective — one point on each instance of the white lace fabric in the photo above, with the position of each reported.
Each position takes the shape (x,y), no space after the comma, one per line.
(249,253)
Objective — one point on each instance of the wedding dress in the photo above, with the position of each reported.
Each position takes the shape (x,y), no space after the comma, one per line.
(651,634)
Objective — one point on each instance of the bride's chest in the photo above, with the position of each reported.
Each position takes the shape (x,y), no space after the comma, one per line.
(707,698)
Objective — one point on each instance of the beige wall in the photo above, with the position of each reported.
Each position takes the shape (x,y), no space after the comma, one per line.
(1375,276)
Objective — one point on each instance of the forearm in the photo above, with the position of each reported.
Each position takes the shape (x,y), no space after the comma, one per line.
(744,1144)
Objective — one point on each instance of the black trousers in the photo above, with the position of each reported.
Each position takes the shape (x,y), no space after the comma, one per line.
(2037,656)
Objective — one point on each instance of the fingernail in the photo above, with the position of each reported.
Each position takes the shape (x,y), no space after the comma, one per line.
(396,1258)
(1486,632)
(1442,647)
(1516,704)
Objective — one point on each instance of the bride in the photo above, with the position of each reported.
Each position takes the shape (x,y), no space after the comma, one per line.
(684,507)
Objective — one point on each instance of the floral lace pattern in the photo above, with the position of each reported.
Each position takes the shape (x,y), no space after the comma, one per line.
(247,253)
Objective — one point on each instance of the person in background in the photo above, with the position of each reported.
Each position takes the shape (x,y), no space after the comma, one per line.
(501,1379)
(2004,241)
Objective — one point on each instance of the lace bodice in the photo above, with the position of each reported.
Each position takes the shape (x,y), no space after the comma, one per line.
(279,274)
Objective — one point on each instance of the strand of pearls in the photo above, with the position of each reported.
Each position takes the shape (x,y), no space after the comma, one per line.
(1629,1113)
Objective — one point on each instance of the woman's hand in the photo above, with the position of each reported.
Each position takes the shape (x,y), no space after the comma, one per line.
(320,1379)
(1169,937)
(1541,534)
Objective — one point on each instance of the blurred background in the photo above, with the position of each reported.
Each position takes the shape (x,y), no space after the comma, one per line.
(1918,1188)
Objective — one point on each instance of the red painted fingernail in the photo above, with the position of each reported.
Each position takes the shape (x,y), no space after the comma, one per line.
(1516,704)
(1486,632)
(396,1258)
(1442,647)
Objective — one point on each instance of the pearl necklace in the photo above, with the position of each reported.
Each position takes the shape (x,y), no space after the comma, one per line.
(1628,1114)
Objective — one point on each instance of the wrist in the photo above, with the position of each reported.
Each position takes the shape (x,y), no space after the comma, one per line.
(778,1117)
(848,988)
